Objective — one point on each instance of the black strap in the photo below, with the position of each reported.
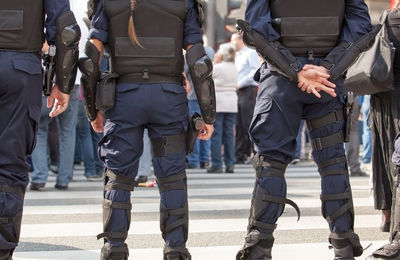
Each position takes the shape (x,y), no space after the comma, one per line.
(19,191)
(260,161)
(270,172)
(163,146)
(121,182)
(281,200)
(119,186)
(330,172)
(148,78)
(320,143)
(331,162)
(117,205)
(172,178)
(174,225)
(117,236)
(332,117)
(169,183)
(119,178)
(263,225)
(348,206)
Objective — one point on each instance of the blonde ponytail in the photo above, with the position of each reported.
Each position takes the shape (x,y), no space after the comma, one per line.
(131,27)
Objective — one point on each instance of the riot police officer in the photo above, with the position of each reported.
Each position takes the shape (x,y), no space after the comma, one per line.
(307,46)
(21,39)
(146,39)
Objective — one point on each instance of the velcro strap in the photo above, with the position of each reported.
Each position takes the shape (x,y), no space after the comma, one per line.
(174,186)
(270,172)
(347,206)
(263,225)
(117,205)
(119,178)
(332,117)
(281,200)
(338,196)
(172,178)
(331,162)
(175,224)
(330,172)
(119,186)
(260,161)
(324,142)
(163,146)
(176,212)
(14,190)
(117,236)
(7,235)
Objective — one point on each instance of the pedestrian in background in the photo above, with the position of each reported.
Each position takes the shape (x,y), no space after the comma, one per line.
(225,78)
(21,40)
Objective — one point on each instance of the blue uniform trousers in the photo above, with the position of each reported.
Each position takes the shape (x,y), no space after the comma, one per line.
(279,108)
(20,102)
(162,109)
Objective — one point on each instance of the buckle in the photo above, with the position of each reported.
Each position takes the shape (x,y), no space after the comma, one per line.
(146,74)
(257,161)
(317,144)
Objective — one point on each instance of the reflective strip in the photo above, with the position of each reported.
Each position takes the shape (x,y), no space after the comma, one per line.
(324,142)
(333,117)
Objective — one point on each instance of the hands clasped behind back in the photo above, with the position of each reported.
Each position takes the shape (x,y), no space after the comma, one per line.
(314,79)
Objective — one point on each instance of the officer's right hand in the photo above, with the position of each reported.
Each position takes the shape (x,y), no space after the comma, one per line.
(59,99)
(205,132)
(314,79)
(98,123)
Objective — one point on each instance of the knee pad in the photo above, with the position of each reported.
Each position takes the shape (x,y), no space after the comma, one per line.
(173,182)
(117,182)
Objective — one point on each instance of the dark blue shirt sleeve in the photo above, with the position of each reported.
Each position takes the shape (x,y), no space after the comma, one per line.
(356,21)
(258,14)
(191,32)
(53,9)
(99,25)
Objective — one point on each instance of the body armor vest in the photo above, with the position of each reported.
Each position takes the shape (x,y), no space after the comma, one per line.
(309,27)
(21,25)
(159,27)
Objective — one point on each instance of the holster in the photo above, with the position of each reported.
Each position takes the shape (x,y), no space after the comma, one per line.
(348,108)
(105,91)
(195,123)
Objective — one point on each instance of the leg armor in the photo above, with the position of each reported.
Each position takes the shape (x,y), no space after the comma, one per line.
(172,219)
(67,41)
(10,222)
(259,240)
(336,197)
(114,247)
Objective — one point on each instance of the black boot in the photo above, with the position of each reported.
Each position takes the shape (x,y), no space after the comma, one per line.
(176,253)
(114,253)
(345,245)
(258,246)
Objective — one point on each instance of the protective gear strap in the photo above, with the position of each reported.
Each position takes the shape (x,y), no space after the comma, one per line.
(331,172)
(264,225)
(90,68)
(200,69)
(333,117)
(323,142)
(348,206)
(273,52)
(67,41)
(340,58)
(19,191)
(341,240)
(283,201)
(260,161)
(169,183)
(121,182)
(7,235)
(117,205)
(117,236)
(332,161)
(165,213)
(182,251)
(163,146)
(253,240)
(270,172)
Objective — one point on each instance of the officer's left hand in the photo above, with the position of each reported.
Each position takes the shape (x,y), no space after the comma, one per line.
(205,131)
(60,101)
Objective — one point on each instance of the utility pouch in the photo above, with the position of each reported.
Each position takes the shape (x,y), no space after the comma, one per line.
(348,108)
(105,91)
(195,123)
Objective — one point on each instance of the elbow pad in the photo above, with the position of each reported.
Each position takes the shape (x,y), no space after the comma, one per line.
(67,40)
(200,69)
(340,58)
(273,52)
(90,68)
